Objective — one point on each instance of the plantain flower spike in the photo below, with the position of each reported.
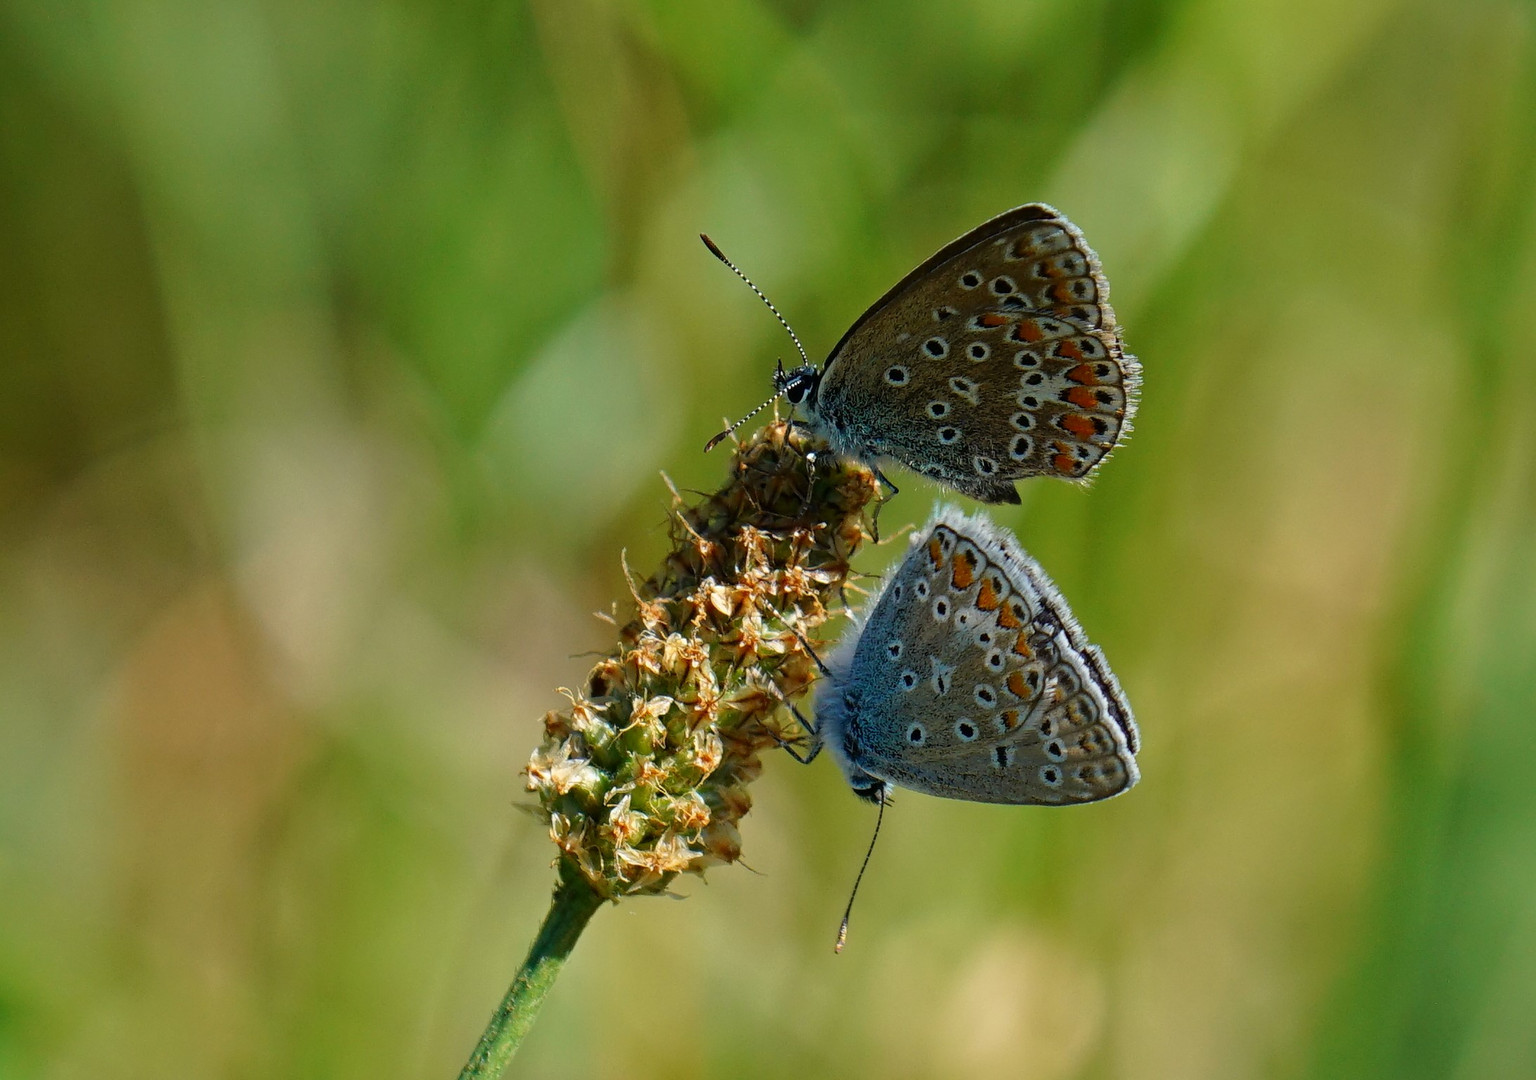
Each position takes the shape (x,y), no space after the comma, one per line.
(644,776)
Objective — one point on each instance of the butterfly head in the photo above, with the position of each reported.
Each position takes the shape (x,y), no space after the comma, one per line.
(798,386)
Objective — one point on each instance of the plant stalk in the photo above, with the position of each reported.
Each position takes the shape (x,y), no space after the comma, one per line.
(571,908)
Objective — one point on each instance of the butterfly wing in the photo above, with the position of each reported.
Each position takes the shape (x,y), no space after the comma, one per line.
(976,683)
(996,359)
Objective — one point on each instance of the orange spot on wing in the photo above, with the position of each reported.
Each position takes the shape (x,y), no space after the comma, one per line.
(1068,349)
(965,571)
(1021,646)
(1011,717)
(1028,330)
(1083,373)
(1016,683)
(1008,620)
(987,598)
(991,318)
(1082,397)
(936,552)
(1064,463)
(1079,425)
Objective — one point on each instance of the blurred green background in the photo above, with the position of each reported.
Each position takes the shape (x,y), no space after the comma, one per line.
(341,346)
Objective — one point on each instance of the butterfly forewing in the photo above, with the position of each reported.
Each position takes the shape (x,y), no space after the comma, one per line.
(997,359)
(980,689)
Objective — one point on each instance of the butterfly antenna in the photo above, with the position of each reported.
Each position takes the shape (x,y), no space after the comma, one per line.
(779,378)
(717,253)
(842,930)
(717,439)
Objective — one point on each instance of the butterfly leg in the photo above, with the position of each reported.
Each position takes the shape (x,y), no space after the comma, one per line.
(874,522)
(803,758)
(788,745)
(812,652)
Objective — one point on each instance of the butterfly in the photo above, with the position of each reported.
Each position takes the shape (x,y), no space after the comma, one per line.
(970,679)
(997,359)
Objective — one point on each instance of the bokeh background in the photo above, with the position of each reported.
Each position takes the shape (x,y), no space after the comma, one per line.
(341,349)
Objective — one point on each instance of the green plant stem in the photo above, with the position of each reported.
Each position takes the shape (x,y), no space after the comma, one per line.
(573,905)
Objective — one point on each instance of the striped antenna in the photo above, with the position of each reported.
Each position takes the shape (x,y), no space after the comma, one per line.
(717,253)
(779,378)
(717,439)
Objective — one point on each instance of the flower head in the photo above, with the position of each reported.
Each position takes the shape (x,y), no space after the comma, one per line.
(645,775)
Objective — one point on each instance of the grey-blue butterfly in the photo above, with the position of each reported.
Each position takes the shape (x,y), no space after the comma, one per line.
(970,679)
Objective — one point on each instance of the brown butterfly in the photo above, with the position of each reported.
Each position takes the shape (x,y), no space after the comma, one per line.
(996,359)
